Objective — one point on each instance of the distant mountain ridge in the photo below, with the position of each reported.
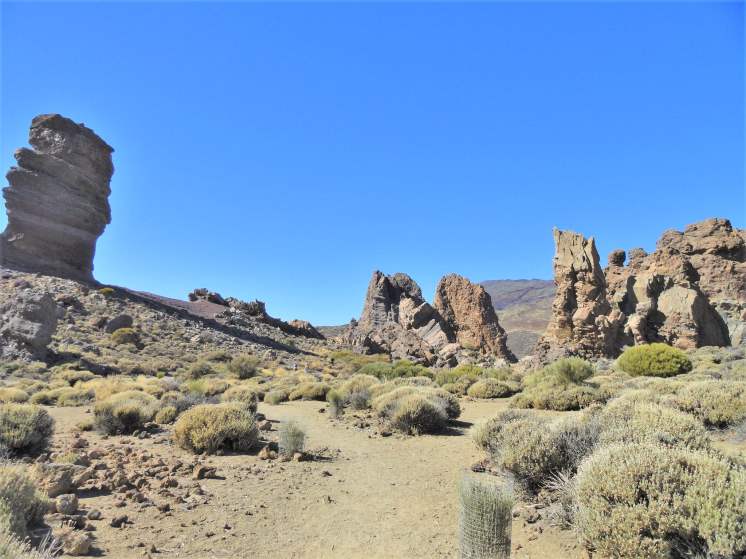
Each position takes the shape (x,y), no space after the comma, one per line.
(524,307)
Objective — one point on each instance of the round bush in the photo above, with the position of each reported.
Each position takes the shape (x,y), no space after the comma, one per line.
(248,395)
(25,428)
(718,403)
(211,427)
(125,336)
(656,360)
(166,415)
(244,366)
(309,391)
(124,412)
(274,397)
(628,421)
(13,395)
(644,501)
(491,388)
(417,414)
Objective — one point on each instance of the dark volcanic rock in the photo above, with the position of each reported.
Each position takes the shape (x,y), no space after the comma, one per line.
(27,323)
(57,200)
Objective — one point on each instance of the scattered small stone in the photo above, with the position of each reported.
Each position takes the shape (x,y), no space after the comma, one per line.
(94,514)
(118,521)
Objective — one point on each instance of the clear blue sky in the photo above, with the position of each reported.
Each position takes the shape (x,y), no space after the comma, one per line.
(285,151)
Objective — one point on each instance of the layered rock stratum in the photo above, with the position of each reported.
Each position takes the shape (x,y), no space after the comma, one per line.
(690,292)
(57,200)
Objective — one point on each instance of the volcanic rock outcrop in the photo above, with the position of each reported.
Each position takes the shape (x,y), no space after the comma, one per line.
(57,200)
(690,292)
(27,322)
(467,310)
(397,320)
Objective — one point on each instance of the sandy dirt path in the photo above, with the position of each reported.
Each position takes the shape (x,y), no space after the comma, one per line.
(386,497)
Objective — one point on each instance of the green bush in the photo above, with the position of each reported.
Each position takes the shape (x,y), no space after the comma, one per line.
(628,421)
(492,388)
(386,404)
(291,439)
(125,336)
(68,396)
(124,412)
(212,427)
(717,403)
(106,291)
(206,386)
(13,395)
(560,386)
(244,366)
(417,414)
(644,501)
(25,428)
(657,360)
(22,505)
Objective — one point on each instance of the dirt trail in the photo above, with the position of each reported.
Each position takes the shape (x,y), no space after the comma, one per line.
(377,497)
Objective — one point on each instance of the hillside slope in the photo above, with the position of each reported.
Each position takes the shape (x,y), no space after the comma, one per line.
(524,308)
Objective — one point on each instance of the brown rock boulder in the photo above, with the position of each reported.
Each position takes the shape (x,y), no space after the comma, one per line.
(467,310)
(57,200)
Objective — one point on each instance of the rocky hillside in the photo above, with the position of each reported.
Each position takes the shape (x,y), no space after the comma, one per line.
(524,307)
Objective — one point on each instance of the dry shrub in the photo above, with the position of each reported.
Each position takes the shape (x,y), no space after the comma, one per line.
(71,376)
(291,438)
(646,501)
(25,428)
(166,415)
(13,395)
(125,336)
(124,412)
(274,397)
(309,391)
(485,517)
(628,421)
(212,427)
(716,403)
(243,366)
(22,505)
(417,414)
(206,386)
(247,394)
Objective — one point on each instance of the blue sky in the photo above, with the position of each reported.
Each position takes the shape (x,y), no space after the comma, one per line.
(285,151)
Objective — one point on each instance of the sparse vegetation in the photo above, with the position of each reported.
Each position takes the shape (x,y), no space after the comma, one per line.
(718,403)
(212,427)
(243,366)
(657,360)
(291,439)
(22,505)
(124,412)
(646,501)
(125,336)
(25,428)
(560,386)
(309,391)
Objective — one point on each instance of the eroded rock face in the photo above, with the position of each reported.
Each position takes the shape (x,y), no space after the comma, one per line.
(397,320)
(690,292)
(57,200)
(27,323)
(467,310)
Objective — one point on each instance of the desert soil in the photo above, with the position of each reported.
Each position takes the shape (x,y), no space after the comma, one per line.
(365,496)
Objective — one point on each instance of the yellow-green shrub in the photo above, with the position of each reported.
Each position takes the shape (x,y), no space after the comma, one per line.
(210,427)
(309,391)
(11,394)
(274,397)
(417,414)
(243,366)
(124,412)
(658,360)
(492,388)
(166,415)
(206,386)
(645,501)
(25,428)
(22,505)
(125,336)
